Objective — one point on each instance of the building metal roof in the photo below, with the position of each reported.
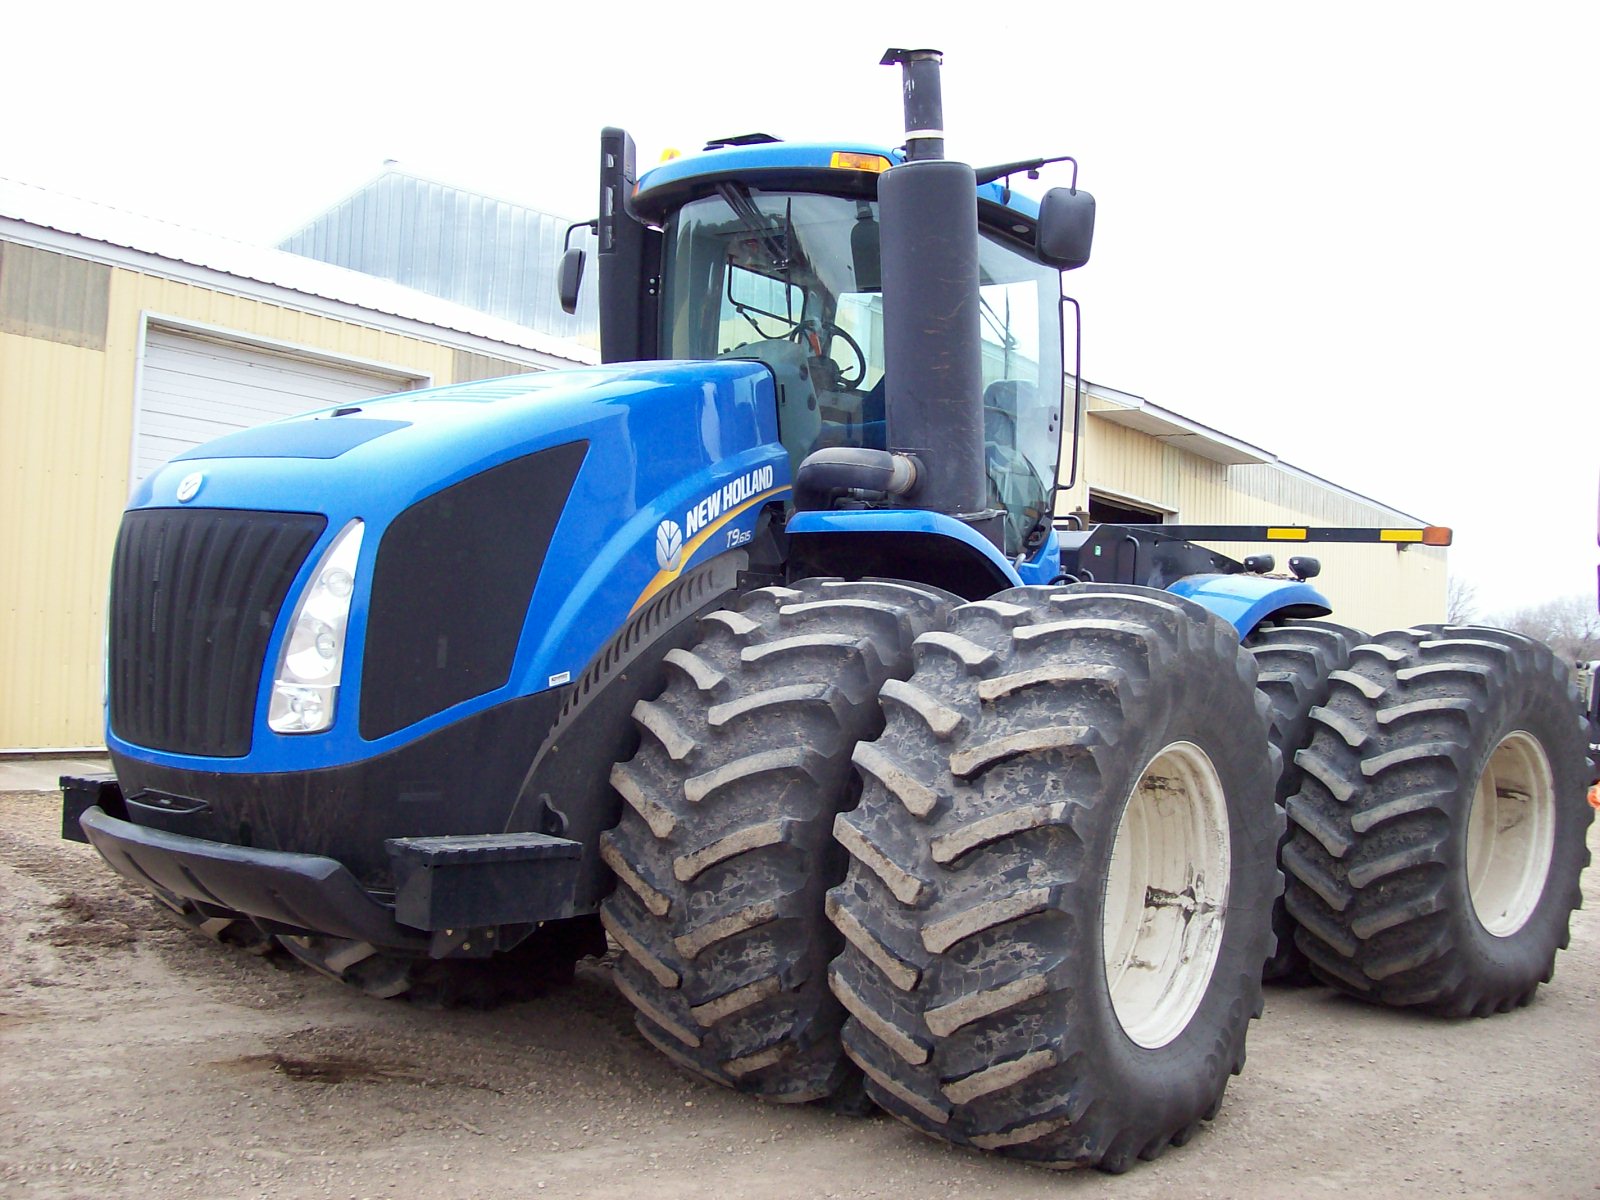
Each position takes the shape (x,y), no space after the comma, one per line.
(51,220)
(486,253)
(1175,429)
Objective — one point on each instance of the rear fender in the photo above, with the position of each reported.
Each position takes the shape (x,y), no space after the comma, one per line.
(1244,601)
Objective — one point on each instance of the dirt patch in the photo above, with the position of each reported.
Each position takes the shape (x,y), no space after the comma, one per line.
(87,925)
(154,1062)
(317,1070)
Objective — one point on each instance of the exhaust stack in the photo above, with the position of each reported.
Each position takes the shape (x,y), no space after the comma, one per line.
(924,101)
(928,210)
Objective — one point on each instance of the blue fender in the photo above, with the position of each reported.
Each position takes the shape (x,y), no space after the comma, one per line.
(1244,601)
(903,543)
(1040,567)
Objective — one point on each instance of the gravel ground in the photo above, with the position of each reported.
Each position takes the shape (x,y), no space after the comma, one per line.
(138,1059)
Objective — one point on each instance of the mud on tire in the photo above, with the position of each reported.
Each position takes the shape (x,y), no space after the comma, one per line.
(1293,662)
(987,890)
(725,849)
(1438,835)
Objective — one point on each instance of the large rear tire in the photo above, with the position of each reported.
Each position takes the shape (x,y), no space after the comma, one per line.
(725,849)
(1293,662)
(1438,835)
(1062,870)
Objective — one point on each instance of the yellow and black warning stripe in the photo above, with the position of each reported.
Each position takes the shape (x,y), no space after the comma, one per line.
(1428,535)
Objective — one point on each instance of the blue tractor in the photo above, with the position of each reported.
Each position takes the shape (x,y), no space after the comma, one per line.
(757,653)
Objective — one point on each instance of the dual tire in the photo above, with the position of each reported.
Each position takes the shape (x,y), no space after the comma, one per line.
(1013,864)
(1438,834)
(1013,756)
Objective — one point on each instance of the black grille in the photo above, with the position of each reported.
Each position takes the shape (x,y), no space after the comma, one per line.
(194,596)
(450,592)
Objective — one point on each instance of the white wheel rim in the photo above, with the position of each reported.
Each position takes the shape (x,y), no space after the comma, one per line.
(1166,895)
(1510,834)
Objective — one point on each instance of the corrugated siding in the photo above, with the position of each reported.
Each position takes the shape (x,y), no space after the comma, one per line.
(62,480)
(1372,587)
(52,296)
(487,254)
(470,366)
(66,425)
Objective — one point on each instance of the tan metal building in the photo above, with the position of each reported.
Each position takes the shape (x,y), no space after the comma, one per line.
(124,341)
(1141,462)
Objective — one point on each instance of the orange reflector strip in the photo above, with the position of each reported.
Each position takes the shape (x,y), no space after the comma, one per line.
(1399,535)
(1285,533)
(1594,794)
(850,160)
(1437,535)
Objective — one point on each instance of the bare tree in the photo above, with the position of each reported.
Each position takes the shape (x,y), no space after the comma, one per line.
(1569,626)
(1460,602)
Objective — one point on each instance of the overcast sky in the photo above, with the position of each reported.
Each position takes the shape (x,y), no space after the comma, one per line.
(1361,236)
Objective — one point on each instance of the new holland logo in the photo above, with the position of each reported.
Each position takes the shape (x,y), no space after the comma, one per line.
(190,487)
(726,498)
(669,545)
(720,506)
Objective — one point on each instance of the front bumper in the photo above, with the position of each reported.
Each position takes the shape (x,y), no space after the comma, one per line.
(461,779)
(292,893)
(454,893)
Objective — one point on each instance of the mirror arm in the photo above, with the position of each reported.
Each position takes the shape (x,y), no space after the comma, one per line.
(1030,165)
(592,226)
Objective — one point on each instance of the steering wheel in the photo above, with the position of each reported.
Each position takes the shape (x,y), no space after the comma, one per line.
(855,380)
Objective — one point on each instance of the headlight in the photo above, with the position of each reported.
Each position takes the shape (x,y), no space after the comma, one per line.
(306,682)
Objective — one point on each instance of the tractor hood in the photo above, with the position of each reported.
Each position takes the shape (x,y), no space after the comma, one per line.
(522,519)
(383,454)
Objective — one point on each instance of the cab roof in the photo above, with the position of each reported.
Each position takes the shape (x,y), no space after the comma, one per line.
(845,168)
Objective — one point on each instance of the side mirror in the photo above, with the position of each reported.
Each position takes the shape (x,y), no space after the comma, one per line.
(569,279)
(1066,227)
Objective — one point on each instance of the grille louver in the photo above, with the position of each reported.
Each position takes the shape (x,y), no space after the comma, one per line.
(194,596)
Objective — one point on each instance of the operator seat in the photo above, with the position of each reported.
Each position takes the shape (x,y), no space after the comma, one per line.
(1014,485)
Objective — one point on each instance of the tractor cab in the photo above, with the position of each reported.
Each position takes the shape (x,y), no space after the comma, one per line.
(793,280)
(766,250)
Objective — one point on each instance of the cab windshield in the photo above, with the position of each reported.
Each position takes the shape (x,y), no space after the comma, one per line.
(792,280)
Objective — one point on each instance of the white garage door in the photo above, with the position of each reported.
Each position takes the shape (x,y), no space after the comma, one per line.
(194,388)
